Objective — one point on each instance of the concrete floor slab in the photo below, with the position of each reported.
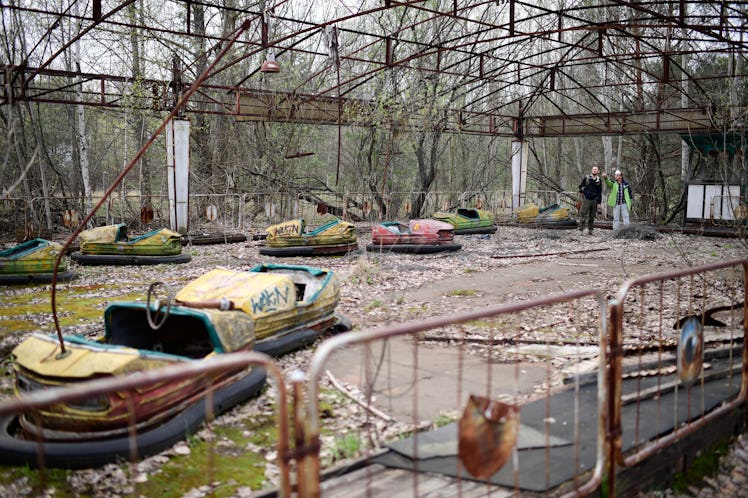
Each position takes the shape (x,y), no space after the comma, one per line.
(445,378)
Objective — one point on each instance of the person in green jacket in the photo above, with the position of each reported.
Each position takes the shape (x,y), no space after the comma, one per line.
(619,198)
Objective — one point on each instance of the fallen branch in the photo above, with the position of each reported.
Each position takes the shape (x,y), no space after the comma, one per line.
(340,387)
(559,253)
(497,341)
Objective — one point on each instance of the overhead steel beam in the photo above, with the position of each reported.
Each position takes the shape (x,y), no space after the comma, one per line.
(622,123)
(293,108)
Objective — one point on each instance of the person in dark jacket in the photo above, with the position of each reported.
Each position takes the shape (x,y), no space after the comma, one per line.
(591,189)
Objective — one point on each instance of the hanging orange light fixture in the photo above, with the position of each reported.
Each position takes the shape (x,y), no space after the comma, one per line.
(270,65)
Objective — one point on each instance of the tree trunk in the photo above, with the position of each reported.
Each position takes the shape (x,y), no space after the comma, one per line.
(80,118)
(83,157)
(138,120)
(200,129)
(45,194)
(426,172)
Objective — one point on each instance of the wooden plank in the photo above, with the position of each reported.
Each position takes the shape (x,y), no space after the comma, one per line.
(377,480)
(467,489)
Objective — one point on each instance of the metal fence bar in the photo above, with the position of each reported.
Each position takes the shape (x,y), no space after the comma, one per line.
(208,211)
(727,208)
(644,208)
(14,218)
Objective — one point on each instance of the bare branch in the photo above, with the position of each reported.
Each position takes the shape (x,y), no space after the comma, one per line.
(6,192)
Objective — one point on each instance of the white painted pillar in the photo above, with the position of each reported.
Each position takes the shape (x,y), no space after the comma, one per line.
(519,172)
(178,173)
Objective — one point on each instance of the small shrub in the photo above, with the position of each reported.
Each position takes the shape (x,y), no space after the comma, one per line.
(373,305)
(444,418)
(347,446)
(462,293)
(706,464)
(364,271)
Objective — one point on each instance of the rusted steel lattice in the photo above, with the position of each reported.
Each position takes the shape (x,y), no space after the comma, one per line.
(504,67)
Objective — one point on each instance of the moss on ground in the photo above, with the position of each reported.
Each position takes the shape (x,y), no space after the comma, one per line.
(31,310)
(31,482)
(462,293)
(227,462)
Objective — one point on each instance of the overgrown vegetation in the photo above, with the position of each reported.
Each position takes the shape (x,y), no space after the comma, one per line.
(230,459)
(346,446)
(706,464)
(31,482)
(225,462)
(365,272)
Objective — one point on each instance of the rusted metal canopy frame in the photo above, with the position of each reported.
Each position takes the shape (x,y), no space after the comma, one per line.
(540,70)
(477,123)
(309,465)
(98,19)
(600,29)
(23,68)
(101,100)
(614,430)
(44,398)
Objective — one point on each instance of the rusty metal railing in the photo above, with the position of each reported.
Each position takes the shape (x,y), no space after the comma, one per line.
(44,398)
(514,328)
(666,345)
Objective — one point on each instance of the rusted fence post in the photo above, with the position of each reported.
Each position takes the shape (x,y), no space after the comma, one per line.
(614,361)
(306,442)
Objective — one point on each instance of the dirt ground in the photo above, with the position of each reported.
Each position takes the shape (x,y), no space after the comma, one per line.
(515,264)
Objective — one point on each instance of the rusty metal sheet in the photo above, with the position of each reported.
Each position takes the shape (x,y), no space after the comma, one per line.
(488,433)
